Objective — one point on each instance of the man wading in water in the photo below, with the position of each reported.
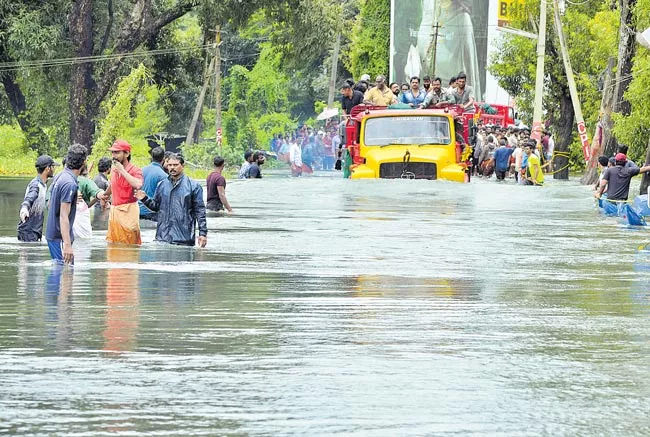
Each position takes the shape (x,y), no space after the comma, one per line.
(124,218)
(179,203)
(63,207)
(32,210)
(617,179)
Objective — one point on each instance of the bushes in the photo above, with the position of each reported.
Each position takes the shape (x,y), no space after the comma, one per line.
(16,158)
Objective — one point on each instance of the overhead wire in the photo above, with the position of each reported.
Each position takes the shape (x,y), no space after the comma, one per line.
(46,63)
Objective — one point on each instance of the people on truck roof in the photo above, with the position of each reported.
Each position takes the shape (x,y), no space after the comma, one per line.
(349,98)
(452,85)
(437,95)
(414,96)
(364,84)
(380,94)
(394,87)
(426,83)
(464,94)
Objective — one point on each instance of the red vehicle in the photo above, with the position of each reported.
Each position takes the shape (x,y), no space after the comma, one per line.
(504,115)
(488,114)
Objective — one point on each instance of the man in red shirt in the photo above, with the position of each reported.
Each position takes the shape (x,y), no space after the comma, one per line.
(124,219)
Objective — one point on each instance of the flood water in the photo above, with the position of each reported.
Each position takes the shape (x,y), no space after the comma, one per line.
(333,307)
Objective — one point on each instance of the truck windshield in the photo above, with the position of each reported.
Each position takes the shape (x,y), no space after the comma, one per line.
(425,129)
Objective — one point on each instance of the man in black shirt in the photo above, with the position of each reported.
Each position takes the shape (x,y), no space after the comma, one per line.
(254,171)
(350,98)
(363,85)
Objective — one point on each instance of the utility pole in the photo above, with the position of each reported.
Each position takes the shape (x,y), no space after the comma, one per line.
(577,108)
(436,29)
(539,77)
(335,66)
(189,140)
(217,89)
(605,119)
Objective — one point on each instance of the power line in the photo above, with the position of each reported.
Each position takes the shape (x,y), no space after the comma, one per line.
(45,63)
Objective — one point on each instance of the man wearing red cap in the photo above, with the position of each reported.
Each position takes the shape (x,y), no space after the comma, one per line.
(617,179)
(124,219)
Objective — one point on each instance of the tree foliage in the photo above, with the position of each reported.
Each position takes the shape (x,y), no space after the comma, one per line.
(591,39)
(132,112)
(259,104)
(634,129)
(370,45)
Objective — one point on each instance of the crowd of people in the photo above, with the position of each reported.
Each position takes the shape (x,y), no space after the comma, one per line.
(512,153)
(505,152)
(425,93)
(161,193)
(306,149)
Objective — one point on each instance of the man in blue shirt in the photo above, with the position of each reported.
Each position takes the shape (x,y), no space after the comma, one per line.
(152,175)
(179,202)
(63,206)
(502,159)
(414,97)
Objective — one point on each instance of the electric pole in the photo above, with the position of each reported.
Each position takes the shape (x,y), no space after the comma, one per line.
(577,109)
(189,140)
(539,77)
(217,89)
(436,29)
(335,66)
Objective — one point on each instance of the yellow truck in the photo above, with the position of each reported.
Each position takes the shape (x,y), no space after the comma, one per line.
(407,144)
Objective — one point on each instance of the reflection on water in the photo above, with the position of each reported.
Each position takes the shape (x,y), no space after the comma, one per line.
(329,307)
(122,299)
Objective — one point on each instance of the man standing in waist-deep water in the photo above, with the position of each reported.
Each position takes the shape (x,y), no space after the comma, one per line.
(124,218)
(32,210)
(63,206)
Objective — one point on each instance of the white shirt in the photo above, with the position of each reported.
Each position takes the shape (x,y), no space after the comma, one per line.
(518,155)
(243,170)
(295,155)
(336,141)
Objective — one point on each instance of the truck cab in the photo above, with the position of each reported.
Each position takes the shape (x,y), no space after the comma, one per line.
(407,144)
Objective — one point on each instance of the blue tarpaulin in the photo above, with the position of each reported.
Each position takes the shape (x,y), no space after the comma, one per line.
(631,215)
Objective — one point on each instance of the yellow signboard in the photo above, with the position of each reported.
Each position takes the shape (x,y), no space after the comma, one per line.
(508,10)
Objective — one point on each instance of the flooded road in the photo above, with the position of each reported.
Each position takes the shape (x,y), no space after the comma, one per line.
(334,307)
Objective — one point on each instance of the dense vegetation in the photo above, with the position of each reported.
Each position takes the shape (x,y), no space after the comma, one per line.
(145,62)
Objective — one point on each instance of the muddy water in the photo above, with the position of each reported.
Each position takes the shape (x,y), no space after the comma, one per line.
(333,307)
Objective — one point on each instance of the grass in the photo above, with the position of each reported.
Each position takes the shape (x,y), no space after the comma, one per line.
(15,158)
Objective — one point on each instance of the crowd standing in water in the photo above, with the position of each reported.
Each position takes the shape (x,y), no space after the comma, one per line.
(163,194)
(160,193)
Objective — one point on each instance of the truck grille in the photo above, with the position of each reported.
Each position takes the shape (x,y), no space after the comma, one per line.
(414,170)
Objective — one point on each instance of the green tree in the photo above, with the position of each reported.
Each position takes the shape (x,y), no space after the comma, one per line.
(31,30)
(633,129)
(370,45)
(588,31)
(135,110)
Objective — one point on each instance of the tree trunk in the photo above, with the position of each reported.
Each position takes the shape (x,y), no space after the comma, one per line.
(36,138)
(82,86)
(645,182)
(591,175)
(626,49)
(86,96)
(564,135)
